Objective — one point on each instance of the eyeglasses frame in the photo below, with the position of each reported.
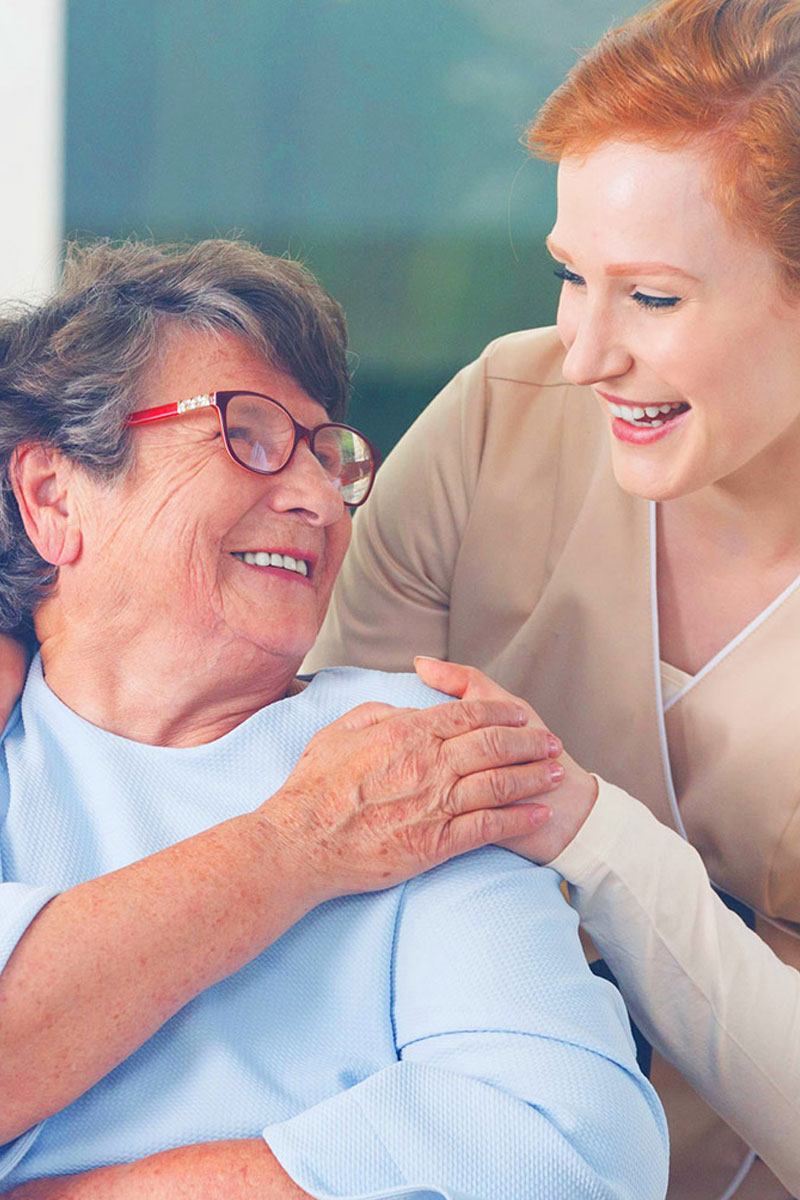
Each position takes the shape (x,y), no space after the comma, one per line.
(220,400)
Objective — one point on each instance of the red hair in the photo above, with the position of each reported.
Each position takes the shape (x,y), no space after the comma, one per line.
(722,72)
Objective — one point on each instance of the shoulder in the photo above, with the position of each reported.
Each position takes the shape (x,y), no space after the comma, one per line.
(338,689)
(530,359)
(492,906)
(529,356)
(492,880)
(525,392)
(498,937)
(512,399)
(515,395)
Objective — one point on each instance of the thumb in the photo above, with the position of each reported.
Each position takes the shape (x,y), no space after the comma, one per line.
(467,683)
(451,678)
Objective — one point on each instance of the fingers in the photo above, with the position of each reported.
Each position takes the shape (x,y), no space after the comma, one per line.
(467,683)
(462,716)
(448,677)
(484,826)
(504,785)
(499,746)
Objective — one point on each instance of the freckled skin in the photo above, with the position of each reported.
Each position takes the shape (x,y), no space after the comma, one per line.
(156,569)
(730,348)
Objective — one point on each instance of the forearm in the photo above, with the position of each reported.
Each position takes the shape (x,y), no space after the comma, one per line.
(376,797)
(232,1170)
(106,963)
(731,1020)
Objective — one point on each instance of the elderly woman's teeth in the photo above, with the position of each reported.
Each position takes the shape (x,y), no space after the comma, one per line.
(651,415)
(262,558)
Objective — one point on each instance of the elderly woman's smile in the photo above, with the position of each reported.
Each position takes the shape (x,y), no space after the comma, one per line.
(296,516)
(192,558)
(177,479)
(266,559)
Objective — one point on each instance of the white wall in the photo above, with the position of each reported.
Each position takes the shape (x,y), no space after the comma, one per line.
(31,145)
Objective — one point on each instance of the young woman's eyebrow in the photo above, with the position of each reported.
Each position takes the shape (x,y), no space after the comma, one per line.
(628,268)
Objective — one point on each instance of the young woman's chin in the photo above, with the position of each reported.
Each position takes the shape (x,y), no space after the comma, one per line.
(642,474)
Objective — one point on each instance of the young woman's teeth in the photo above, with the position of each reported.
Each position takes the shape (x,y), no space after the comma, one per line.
(262,558)
(651,415)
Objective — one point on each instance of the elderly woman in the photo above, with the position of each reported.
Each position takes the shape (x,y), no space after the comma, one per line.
(182,821)
(645,594)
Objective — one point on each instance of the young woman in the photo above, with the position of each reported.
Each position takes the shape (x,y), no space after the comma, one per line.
(605,517)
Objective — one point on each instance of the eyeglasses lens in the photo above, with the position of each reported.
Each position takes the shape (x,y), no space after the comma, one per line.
(260,433)
(347,458)
(261,437)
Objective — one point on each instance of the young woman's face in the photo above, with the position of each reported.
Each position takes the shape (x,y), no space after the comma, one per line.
(678,322)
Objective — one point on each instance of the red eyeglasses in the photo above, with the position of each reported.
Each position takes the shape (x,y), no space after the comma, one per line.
(261,435)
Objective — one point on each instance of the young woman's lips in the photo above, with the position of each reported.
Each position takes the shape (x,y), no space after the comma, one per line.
(653,422)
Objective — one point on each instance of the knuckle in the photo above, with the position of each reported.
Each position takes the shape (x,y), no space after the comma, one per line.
(502,786)
(469,714)
(419,722)
(487,824)
(495,741)
(458,714)
(455,799)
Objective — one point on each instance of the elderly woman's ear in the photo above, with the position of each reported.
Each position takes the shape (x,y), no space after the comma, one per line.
(42,478)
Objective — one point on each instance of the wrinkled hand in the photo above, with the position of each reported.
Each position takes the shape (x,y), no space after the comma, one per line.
(385,793)
(569,806)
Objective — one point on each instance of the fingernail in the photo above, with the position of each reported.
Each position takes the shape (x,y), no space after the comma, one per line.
(522,714)
(554,746)
(539,813)
(556,772)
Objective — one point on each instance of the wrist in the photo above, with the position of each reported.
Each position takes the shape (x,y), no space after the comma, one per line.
(292,856)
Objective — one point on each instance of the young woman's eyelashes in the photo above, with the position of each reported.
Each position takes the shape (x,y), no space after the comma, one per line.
(641,298)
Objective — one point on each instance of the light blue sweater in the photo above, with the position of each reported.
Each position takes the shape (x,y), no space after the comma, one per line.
(440,1039)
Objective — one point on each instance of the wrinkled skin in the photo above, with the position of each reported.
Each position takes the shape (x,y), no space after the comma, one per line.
(575,796)
(420,787)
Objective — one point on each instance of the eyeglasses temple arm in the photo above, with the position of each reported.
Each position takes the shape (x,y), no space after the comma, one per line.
(145,415)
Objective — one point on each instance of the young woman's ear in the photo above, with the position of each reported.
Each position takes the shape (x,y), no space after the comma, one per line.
(42,477)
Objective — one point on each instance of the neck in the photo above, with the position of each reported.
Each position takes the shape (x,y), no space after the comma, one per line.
(157,690)
(753,515)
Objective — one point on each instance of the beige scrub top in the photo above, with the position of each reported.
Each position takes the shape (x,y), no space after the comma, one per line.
(496,535)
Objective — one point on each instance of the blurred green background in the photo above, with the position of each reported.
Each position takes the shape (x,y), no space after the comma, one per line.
(377,140)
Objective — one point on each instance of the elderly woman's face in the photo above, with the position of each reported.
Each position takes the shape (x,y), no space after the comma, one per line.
(172,537)
(677,321)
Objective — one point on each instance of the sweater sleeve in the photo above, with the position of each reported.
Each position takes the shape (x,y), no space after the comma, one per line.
(515,1072)
(731,1023)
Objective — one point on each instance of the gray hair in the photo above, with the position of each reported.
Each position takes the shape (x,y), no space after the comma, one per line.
(70,368)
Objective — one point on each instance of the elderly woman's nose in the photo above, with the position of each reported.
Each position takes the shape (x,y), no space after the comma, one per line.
(305,485)
(595,349)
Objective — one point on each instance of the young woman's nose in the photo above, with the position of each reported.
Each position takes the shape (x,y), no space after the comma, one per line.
(595,348)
